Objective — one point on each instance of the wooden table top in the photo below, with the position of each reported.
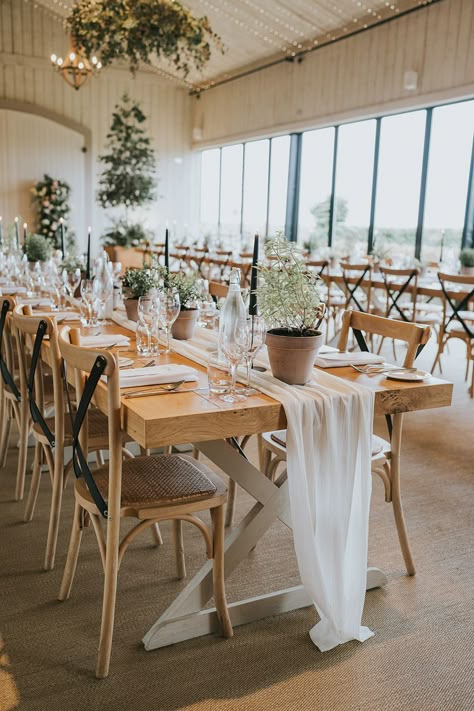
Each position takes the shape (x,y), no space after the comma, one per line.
(178,418)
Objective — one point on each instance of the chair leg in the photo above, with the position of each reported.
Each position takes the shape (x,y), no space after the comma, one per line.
(5,436)
(21,469)
(156,535)
(179,548)
(56,502)
(195,453)
(110,595)
(72,554)
(231,501)
(267,458)
(35,482)
(217,516)
(99,458)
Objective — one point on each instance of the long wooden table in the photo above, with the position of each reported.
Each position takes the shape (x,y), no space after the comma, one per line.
(206,422)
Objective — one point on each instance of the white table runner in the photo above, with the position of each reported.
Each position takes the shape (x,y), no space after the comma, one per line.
(329,424)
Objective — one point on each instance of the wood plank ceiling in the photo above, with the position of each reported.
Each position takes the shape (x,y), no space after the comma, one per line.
(258,32)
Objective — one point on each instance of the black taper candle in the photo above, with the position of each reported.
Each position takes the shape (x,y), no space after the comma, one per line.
(88,263)
(167,251)
(253,280)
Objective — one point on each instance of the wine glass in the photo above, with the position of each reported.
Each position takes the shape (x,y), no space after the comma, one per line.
(88,299)
(148,315)
(255,328)
(71,280)
(233,342)
(169,311)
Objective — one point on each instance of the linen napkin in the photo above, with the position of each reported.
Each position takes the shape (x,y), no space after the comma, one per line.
(105,341)
(8,290)
(156,375)
(62,315)
(339,360)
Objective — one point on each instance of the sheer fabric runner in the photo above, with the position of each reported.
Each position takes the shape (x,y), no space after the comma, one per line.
(329,435)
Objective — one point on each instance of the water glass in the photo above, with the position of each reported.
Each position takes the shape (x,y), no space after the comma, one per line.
(218,375)
(142,339)
(169,311)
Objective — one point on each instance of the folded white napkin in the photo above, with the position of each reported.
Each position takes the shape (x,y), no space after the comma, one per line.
(104,341)
(156,375)
(13,290)
(63,315)
(32,301)
(338,360)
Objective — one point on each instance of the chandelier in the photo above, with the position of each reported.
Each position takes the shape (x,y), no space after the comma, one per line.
(75,69)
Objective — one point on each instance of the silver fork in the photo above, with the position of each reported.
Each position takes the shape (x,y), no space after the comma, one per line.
(376,370)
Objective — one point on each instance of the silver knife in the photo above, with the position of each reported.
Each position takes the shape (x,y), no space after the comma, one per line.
(149,393)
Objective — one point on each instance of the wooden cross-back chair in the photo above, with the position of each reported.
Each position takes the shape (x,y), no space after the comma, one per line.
(357,280)
(147,488)
(458,318)
(385,453)
(10,396)
(52,432)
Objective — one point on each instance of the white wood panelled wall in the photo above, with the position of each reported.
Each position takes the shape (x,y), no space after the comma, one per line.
(356,77)
(28,36)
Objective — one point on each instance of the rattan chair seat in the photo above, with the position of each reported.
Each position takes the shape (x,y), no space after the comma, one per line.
(161,480)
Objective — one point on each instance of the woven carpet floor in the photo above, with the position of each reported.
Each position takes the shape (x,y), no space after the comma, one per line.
(422,655)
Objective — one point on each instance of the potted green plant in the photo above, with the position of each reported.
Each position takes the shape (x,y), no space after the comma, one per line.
(466,258)
(186,286)
(137,283)
(290,303)
(38,248)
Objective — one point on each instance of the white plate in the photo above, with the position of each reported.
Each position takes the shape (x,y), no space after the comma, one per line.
(416,375)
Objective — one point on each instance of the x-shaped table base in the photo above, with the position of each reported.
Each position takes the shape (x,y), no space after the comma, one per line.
(185,618)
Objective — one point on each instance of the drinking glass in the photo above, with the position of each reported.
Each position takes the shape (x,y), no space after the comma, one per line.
(255,328)
(71,280)
(169,311)
(218,374)
(233,341)
(148,317)
(89,301)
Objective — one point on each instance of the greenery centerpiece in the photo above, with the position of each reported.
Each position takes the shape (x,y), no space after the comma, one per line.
(38,248)
(289,301)
(187,288)
(466,257)
(142,31)
(127,181)
(51,200)
(137,283)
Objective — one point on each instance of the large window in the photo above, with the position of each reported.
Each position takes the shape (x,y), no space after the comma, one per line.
(280,155)
(315,188)
(448,175)
(398,184)
(400,180)
(354,170)
(255,188)
(231,190)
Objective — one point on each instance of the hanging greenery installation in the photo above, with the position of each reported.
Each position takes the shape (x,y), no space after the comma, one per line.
(141,30)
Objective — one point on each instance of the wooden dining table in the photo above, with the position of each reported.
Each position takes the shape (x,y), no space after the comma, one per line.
(208,423)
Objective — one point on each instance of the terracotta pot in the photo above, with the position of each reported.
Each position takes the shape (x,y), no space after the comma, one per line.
(292,357)
(467,271)
(131,307)
(183,327)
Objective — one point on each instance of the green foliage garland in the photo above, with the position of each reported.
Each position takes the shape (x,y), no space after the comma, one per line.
(137,30)
(51,198)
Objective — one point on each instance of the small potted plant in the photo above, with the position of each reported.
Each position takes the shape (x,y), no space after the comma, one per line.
(38,248)
(289,301)
(466,258)
(137,283)
(186,286)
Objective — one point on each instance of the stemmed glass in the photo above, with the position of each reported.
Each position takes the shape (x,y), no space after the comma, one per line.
(148,315)
(255,329)
(234,341)
(169,311)
(88,299)
(71,280)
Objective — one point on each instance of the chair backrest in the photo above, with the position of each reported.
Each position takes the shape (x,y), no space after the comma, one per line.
(86,367)
(357,280)
(458,302)
(7,359)
(414,335)
(398,284)
(218,290)
(321,266)
(31,332)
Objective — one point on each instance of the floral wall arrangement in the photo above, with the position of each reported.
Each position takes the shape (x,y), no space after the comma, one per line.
(51,200)
(138,30)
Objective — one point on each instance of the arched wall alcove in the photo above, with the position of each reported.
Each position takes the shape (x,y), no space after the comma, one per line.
(34,141)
